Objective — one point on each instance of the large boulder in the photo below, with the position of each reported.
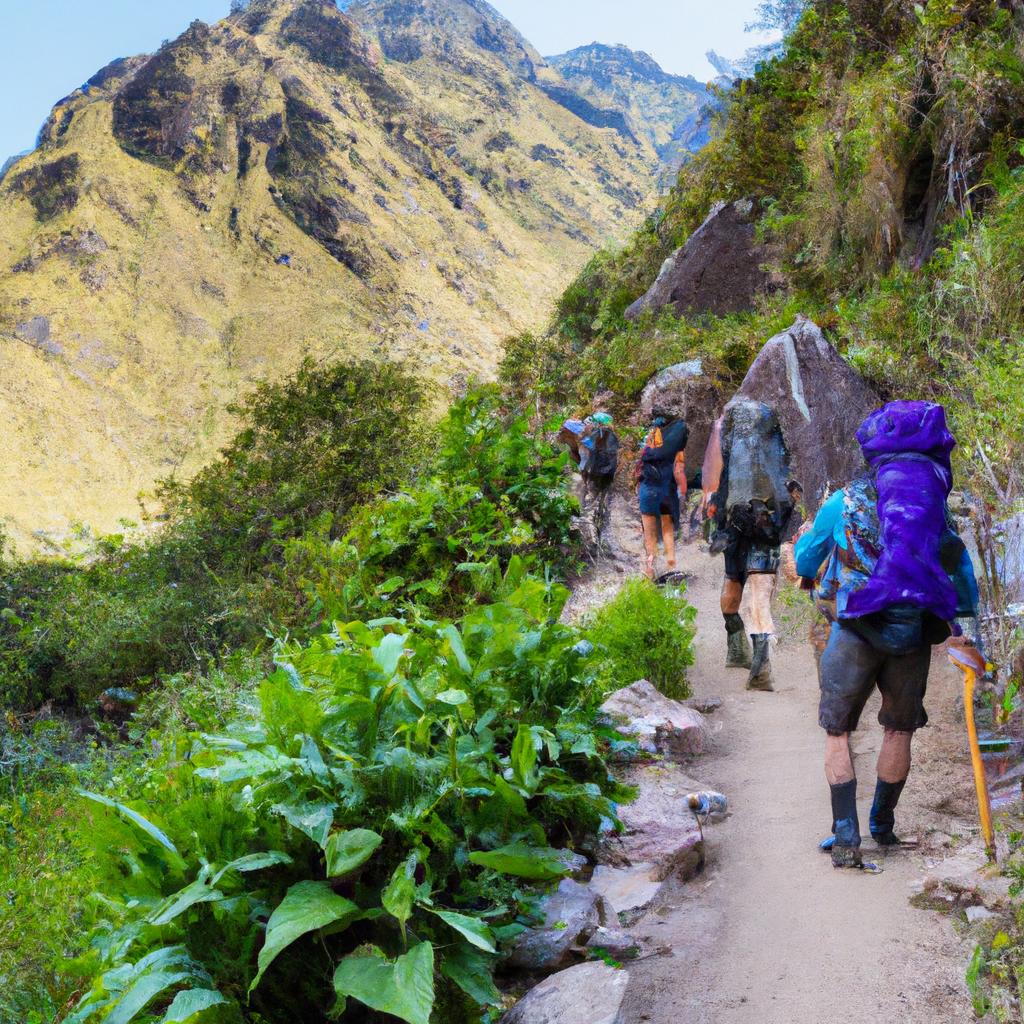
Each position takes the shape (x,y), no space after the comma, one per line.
(820,400)
(571,916)
(659,725)
(721,268)
(659,829)
(586,994)
(686,390)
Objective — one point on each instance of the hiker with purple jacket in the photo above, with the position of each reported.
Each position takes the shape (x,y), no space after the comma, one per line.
(897,581)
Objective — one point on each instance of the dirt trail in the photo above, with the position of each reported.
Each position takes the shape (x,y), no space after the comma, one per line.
(770,933)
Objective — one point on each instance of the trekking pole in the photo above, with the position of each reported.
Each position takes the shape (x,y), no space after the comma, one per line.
(972,664)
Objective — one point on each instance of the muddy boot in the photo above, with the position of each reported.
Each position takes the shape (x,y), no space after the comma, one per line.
(846,847)
(883,812)
(760,665)
(737,651)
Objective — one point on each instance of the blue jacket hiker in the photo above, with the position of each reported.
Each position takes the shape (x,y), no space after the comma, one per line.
(893,578)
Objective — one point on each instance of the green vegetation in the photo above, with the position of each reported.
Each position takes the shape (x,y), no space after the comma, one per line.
(647,633)
(884,149)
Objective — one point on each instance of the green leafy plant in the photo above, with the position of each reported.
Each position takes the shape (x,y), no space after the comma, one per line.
(644,633)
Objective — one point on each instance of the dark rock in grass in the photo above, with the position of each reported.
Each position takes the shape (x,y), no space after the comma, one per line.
(660,725)
(571,915)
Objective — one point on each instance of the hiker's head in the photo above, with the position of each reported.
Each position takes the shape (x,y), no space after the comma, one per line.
(662,415)
(902,428)
(602,419)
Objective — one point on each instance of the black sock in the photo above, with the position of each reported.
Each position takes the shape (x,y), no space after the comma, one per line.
(844,813)
(883,809)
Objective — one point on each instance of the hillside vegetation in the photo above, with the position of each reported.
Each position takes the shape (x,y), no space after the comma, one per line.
(884,148)
(268,188)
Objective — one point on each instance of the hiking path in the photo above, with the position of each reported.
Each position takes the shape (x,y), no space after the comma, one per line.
(769,932)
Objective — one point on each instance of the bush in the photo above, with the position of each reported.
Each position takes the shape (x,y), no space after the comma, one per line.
(644,633)
(373,833)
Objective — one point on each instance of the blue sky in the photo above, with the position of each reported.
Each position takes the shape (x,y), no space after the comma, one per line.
(50,47)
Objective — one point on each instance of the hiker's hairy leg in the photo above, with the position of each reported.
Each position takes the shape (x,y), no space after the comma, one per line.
(668,536)
(838,759)
(894,757)
(762,587)
(732,595)
(650,542)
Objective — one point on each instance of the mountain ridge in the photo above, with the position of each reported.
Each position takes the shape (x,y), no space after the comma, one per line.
(264,189)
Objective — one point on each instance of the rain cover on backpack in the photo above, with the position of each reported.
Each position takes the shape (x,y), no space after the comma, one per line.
(756,460)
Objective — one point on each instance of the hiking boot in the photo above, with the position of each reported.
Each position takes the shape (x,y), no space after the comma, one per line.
(883,812)
(737,648)
(846,826)
(760,665)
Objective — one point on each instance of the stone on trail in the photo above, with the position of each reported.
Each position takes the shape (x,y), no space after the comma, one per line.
(821,401)
(616,943)
(659,830)
(660,725)
(629,891)
(720,269)
(589,993)
(571,915)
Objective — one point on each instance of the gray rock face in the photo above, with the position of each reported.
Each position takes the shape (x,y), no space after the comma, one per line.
(820,400)
(659,830)
(629,891)
(571,915)
(587,994)
(660,725)
(36,332)
(720,269)
(687,391)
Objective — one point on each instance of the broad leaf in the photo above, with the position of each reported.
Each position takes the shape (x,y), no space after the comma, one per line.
(388,654)
(397,898)
(471,928)
(198,892)
(403,987)
(523,861)
(253,862)
(347,851)
(314,819)
(306,907)
(190,1002)
(134,817)
(454,638)
(472,971)
(524,757)
(453,697)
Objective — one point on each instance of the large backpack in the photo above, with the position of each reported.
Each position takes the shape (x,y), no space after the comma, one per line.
(604,457)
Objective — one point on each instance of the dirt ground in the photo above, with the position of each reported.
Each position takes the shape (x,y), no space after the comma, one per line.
(770,933)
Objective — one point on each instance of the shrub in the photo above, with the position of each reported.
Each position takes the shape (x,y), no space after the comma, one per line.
(644,633)
(386,815)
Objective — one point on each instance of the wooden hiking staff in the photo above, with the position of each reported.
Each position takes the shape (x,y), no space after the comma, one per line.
(972,664)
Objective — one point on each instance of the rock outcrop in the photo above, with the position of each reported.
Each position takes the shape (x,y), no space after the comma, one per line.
(820,400)
(659,725)
(571,916)
(586,994)
(721,268)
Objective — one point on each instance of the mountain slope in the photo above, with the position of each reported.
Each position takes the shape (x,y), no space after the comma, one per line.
(668,110)
(263,189)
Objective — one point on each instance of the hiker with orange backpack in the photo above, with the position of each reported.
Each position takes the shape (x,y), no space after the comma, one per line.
(661,485)
(897,581)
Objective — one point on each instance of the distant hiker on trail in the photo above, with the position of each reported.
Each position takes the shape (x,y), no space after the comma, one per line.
(661,479)
(750,498)
(598,465)
(571,435)
(896,580)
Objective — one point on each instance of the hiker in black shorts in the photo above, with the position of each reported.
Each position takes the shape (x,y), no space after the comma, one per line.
(750,498)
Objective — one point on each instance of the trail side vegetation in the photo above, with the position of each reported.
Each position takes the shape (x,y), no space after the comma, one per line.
(352,744)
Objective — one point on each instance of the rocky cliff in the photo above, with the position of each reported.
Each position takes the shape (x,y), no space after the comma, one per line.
(670,111)
(402,180)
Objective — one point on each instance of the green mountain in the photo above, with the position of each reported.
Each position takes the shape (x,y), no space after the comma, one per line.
(670,111)
(274,186)
(881,155)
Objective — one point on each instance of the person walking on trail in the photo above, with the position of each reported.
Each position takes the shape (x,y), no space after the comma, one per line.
(897,580)
(661,479)
(750,498)
(598,466)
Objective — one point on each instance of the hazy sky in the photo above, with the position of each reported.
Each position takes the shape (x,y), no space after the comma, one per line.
(50,47)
